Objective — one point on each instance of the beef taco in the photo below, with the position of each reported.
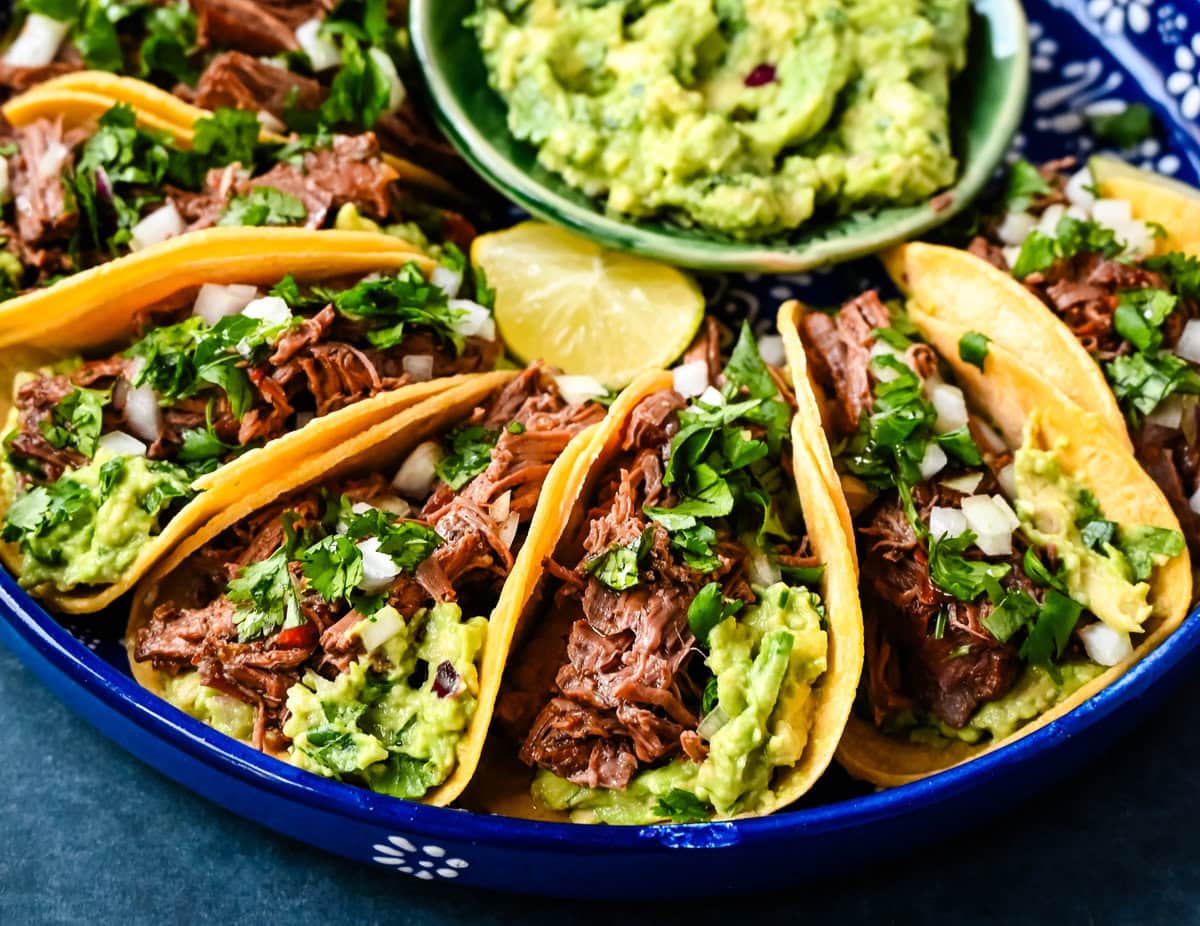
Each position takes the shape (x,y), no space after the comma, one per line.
(1013,557)
(90,176)
(1091,277)
(170,381)
(352,616)
(695,645)
(302,66)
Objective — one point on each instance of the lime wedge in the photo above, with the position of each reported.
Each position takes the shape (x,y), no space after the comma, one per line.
(585,309)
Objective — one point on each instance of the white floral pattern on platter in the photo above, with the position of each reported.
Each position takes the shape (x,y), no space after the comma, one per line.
(1184,82)
(1115,15)
(427,862)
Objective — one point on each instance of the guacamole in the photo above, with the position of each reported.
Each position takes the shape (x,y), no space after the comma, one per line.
(765,661)
(742,116)
(89,526)
(393,718)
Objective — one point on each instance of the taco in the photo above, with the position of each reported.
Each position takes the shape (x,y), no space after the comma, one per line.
(1013,557)
(694,647)
(352,615)
(139,397)
(89,176)
(304,67)
(1092,278)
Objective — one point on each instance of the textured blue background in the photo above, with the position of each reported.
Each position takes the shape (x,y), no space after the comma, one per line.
(90,835)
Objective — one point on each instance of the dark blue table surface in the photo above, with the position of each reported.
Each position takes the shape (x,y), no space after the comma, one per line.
(90,835)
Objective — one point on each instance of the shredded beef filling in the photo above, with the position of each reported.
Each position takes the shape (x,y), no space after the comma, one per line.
(315,369)
(604,689)
(470,566)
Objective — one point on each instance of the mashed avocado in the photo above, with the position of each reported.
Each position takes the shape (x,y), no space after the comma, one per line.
(765,661)
(228,715)
(1051,506)
(1035,692)
(384,721)
(89,526)
(743,116)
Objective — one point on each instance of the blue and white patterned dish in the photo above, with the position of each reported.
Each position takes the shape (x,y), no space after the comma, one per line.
(1087,55)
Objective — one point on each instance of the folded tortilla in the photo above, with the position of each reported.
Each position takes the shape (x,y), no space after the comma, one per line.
(1009,392)
(382,448)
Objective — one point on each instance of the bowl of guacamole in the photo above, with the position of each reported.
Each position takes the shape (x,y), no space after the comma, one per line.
(770,135)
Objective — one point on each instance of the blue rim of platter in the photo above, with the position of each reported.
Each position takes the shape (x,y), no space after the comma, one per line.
(1085,54)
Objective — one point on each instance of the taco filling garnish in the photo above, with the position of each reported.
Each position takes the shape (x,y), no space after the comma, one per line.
(76,197)
(303,66)
(993,583)
(1135,309)
(671,674)
(99,453)
(343,625)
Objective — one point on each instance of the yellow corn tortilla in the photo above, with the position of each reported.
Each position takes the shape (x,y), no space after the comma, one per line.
(1011,394)
(1155,198)
(82,97)
(832,695)
(96,310)
(383,447)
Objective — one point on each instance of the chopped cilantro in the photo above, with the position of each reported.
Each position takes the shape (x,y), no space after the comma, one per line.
(709,700)
(973,348)
(264,205)
(1014,612)
(1071,236)
(1140,315)
(76,420)
(1036,570)
(469,453)
(683,807)
(956,575)
(1144,547)
(1133,124)
(617,567)
(709,608)
(1048,637)
(515,427)
(1142,381)
(170,39)
(1182,272)
(333,566)
(396,303)
(1024,184)
(268,592)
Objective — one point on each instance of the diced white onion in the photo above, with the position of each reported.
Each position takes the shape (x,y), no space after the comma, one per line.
(269,309)
(762,571)
(361,508)
(966,483)
(1048,223)
(1074,212)
(711,723)
(1188,346)
(38,43)
(271,122)
(934,460)
(393,504)
(1005,509)
(499,508)
(1016,227)
(1079,188)
(1112,213)
(387,67)
(508,532)
(770,348)
(1194,502)
(712,397)
(415,477)
(883,349)
(322,52)
(214,301)
(122,444)
(1137,237)
(472,319)
(419,367)
(1007,477)
(378,569)
(577,389)
(1011,254)
(946,522)
(143,413)
(993,525)
(691,379)
(163,223)
(380,627)
(447,280)
(950,405)
(1105,645)
(1168,414)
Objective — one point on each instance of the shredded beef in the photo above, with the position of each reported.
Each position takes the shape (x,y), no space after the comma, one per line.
(44,152)
(238,80)
(840,353)
(257,27)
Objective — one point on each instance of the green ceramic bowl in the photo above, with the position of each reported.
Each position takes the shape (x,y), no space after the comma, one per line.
(988,100)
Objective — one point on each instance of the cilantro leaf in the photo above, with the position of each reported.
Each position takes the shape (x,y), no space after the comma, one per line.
(709,608)
(1146,547)
(76,420)
(973,348)
(395,304)
(1015,611)
(956,575)
(1133,124)
(268,595)
(264,205)
(469,454)
(1071,236)
(170,39)
(1140,315)
(1048,637)
(617,567)
(333,566)
(1141,381)
(408,543)
(1182,272)
(682,806)
(746,369)
(1024,184)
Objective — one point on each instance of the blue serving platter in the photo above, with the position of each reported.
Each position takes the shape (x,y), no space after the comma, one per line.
(1087,57)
